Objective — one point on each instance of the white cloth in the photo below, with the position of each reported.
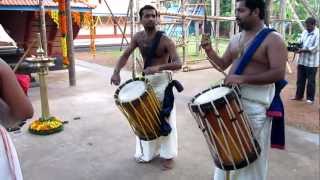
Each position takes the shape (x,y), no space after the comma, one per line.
(256,100)
(5,39)
(9,162)
(165,146)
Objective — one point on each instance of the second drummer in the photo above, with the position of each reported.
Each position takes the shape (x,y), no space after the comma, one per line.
(258,71)
(159,54)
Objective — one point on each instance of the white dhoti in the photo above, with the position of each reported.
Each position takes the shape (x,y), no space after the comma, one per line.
(256,100)
(9,163)
(165,146)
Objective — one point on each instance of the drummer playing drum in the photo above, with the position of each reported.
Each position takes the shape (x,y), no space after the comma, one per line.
(159,54)
(257,81)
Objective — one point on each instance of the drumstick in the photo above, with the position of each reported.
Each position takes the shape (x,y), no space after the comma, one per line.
(23,56)
(217,67)
(206,31)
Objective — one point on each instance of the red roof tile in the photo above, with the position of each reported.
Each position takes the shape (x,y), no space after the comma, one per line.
(48,3)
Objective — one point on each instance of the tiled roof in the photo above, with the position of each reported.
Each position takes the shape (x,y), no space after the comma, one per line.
(47,3)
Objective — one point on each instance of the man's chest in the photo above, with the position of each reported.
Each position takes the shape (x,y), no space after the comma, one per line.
(259,56)
(147,46)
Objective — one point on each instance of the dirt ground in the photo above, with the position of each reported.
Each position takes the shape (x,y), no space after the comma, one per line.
(298,113)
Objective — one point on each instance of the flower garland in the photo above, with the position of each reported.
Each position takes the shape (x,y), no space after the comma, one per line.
(63,30)
(46,127)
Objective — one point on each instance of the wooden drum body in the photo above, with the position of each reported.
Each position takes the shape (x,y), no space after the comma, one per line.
(225,125)
(138,102)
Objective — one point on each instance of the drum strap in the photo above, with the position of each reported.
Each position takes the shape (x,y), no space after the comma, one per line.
(246,58)
(154,45)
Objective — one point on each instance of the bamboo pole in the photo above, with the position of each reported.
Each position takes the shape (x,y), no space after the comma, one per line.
(295,16)
(311,12)
(232,24)
(132,24)
(283,6)
(197,17)
(183,17)
(125,25)
(114,21)
(267,12)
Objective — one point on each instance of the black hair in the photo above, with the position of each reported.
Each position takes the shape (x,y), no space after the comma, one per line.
(311,20)
(253,4)
(147,7)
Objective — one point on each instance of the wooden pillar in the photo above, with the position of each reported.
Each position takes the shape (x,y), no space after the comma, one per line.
(72,72)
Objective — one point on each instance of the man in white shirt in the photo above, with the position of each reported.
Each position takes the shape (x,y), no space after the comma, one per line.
(308,61)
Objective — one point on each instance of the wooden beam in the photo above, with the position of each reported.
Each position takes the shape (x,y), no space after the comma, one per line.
(197,17)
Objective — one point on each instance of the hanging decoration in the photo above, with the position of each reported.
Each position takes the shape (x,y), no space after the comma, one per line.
(63,30)
(84,19)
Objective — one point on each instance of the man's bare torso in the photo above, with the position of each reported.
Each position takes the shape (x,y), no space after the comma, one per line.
(259,62)
(144,43)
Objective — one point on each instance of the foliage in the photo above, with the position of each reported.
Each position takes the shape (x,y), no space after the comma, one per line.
(225,10)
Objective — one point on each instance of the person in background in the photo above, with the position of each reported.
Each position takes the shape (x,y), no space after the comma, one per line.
(308,61)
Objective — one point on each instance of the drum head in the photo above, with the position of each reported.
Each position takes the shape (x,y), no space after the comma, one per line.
(212,95)
(215,95)
(131,91)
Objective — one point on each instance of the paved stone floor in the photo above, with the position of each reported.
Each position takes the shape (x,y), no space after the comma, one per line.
(97,143)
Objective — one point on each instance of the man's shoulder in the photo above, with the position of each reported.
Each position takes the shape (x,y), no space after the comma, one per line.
(164,35)
(275,37)
(166,39)
(139,34)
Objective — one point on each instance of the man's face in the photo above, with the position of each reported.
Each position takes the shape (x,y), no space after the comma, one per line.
(309,26)
(243,15)
(149,18)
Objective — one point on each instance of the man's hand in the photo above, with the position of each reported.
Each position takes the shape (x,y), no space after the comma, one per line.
(206,42)
(151,70)
(115,79)
(234,79)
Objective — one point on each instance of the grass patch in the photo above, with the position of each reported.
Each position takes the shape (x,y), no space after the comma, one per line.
(193,51)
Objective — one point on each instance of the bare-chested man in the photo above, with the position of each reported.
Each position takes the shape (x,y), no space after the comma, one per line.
(14,107)
(257,80)
(164,58)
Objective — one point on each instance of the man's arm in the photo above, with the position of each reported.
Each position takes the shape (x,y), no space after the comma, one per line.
(277,55)
(115,78)
(126,54)
(175,63)
(223,62)
(11,93)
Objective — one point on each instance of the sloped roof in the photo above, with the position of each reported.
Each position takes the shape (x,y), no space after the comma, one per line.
(118,7)
(33,5)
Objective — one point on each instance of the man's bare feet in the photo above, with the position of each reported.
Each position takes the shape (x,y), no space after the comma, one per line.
(167,164)
(140,160)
